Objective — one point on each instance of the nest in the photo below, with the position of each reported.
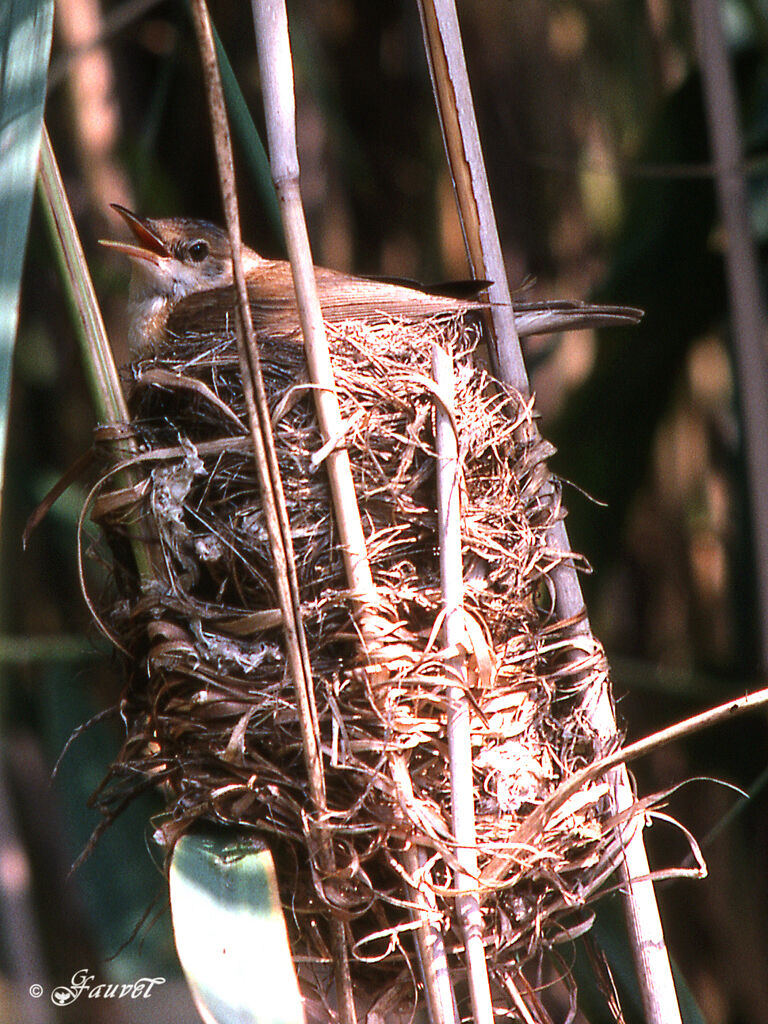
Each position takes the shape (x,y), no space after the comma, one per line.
(209,706)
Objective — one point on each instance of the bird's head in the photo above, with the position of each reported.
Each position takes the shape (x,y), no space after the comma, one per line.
(174,256)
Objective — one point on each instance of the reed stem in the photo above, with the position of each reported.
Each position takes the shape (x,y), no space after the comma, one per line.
(462,142)
(459,732)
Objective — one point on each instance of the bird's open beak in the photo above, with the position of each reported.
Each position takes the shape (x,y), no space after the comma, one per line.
(151,248)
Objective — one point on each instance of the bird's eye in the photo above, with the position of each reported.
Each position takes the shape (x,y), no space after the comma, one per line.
(198,251)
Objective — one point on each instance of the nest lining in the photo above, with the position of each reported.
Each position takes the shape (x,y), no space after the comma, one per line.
(209,708)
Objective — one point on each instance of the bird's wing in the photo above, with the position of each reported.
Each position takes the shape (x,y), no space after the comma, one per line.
(345,297)
(342,297)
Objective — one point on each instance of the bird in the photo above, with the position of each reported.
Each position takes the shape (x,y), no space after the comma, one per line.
(182,280)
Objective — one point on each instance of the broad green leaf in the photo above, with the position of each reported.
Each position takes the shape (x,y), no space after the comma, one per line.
(230,933)
(25,44)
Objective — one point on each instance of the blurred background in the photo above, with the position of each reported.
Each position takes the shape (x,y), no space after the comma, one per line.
(592,120)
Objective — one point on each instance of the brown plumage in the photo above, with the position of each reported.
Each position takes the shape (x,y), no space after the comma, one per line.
(182,280)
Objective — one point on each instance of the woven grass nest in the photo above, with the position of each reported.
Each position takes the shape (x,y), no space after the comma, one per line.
(209,708)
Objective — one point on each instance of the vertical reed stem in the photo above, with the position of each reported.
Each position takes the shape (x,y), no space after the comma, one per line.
(430,946)
(273,499)
(459,733)
(273,45)
(453,96)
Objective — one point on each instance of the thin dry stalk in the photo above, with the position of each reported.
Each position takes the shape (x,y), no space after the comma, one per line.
(260,423)
(458,713)
(441,1005)
(271,25)
(97,356)
(271,21)
(270,482)
(643,747)
(454,100)
(456,111)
